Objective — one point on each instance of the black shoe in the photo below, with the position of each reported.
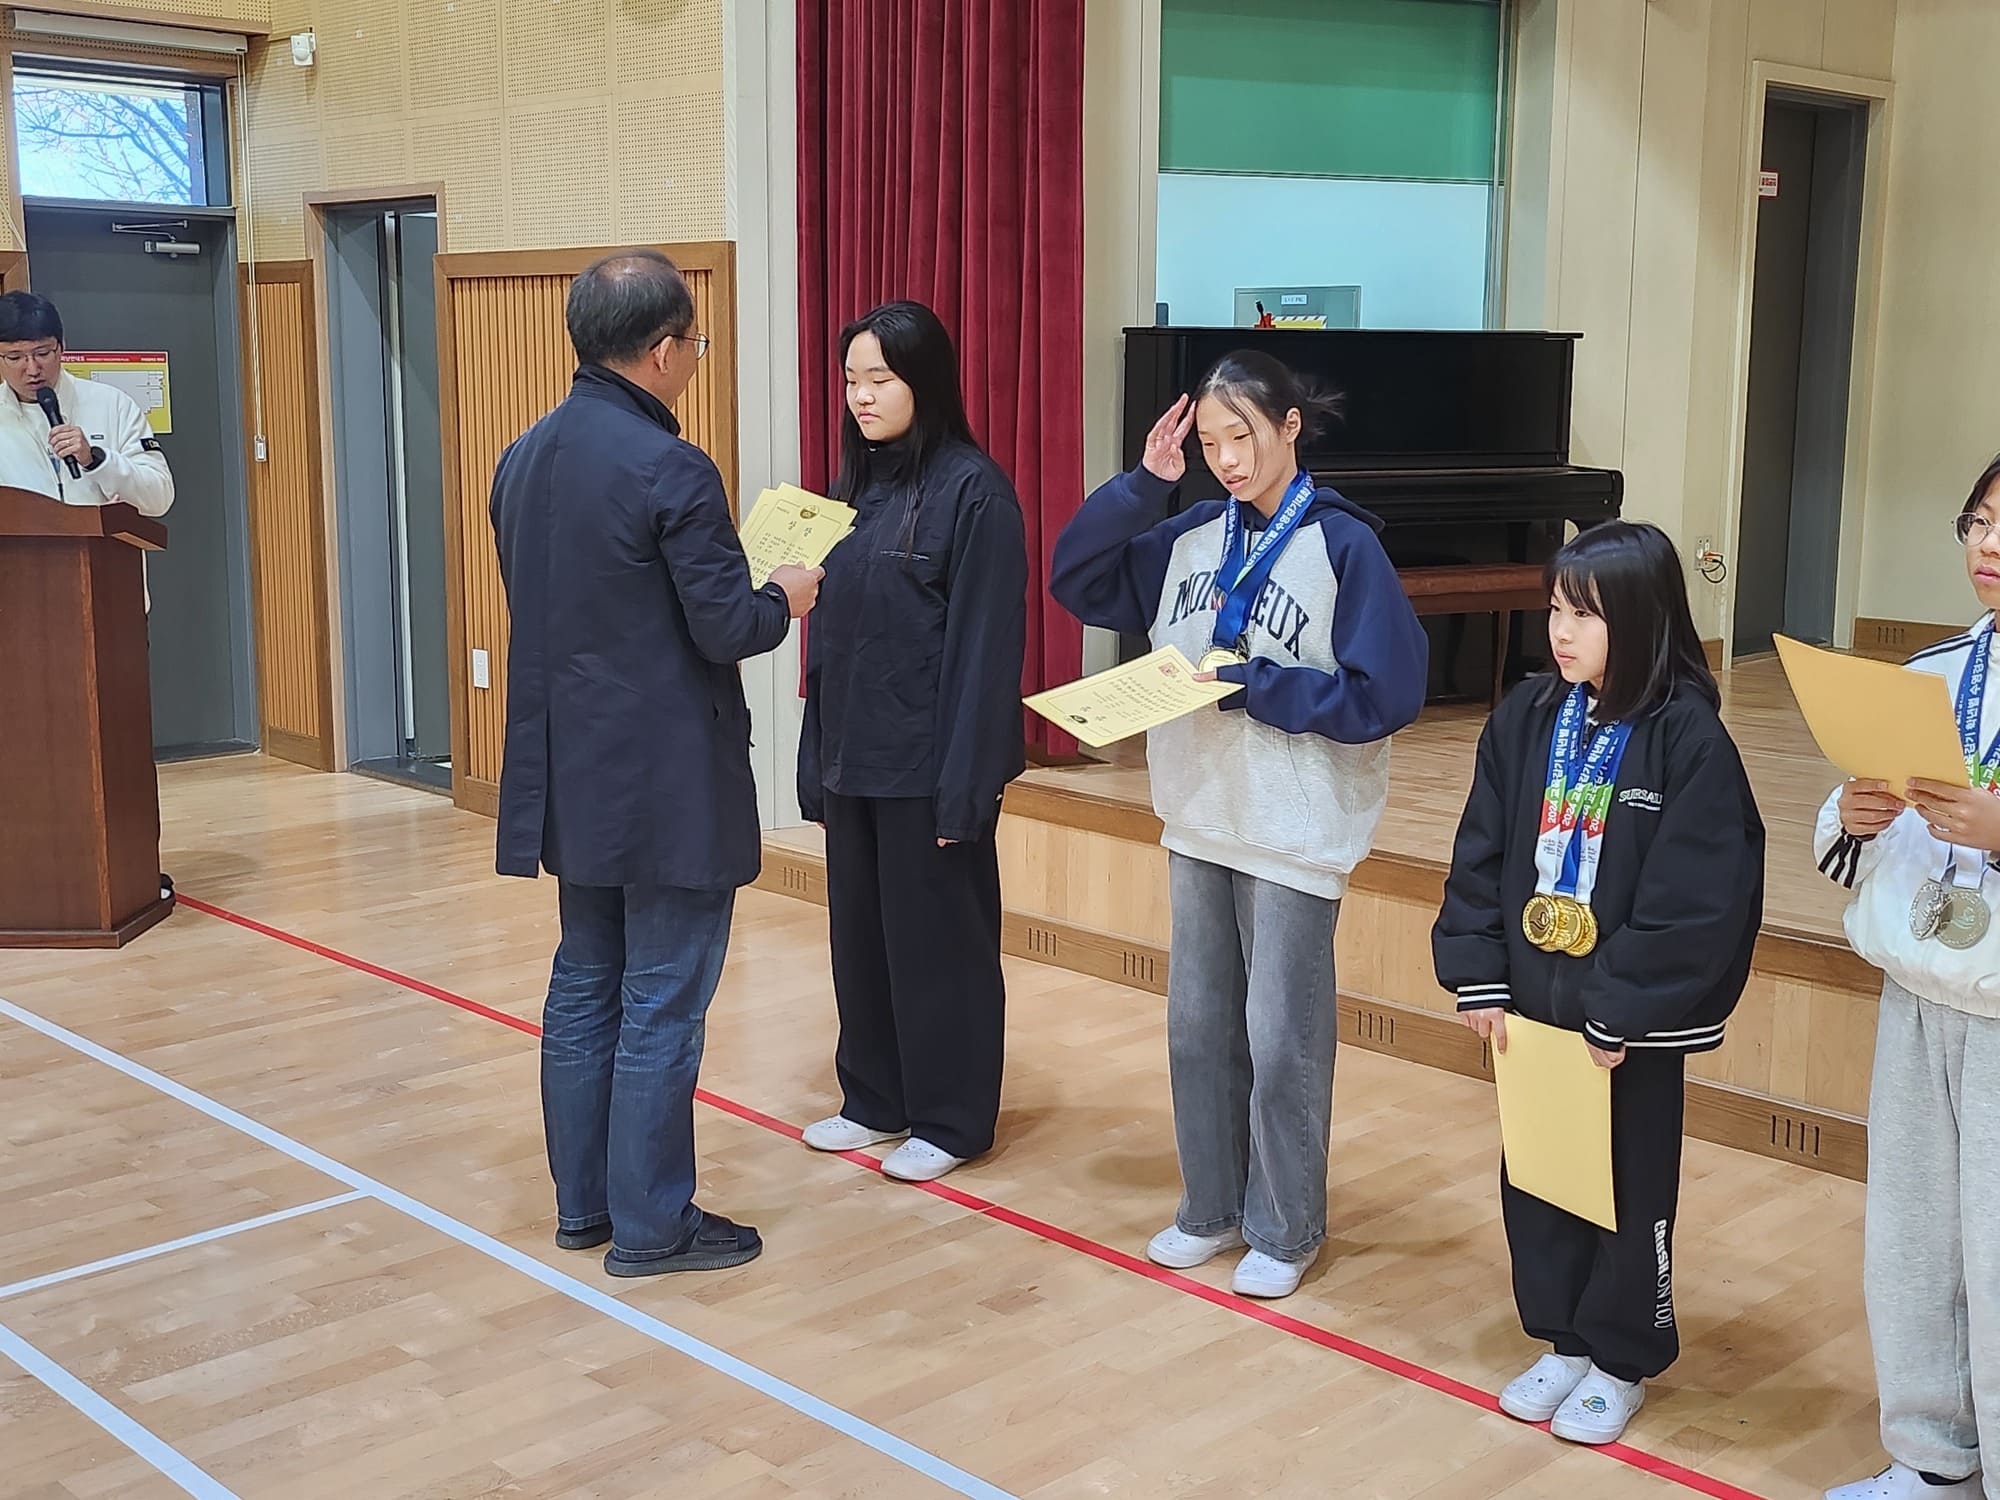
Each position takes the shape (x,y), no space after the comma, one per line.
(583,1239)
(716,1245)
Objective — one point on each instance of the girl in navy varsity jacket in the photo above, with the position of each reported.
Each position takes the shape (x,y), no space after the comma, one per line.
(1921,861)
(1269,799)
(1608,878)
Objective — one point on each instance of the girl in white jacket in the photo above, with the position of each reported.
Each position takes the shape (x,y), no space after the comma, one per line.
(1922,862)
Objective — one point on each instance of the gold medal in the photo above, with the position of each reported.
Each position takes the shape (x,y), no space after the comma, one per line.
(1586,935)
(1569,923)
(1221,656)
(1539,923)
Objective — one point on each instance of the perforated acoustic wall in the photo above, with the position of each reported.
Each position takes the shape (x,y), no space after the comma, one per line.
(551,123)
(220,15)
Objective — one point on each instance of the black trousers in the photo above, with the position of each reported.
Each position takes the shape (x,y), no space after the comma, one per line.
(1586,1290)
(916,973)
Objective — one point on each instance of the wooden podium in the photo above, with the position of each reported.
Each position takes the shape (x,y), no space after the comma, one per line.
(79,799)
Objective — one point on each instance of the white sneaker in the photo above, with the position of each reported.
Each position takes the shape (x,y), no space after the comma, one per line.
(1538,1392)
(1261,1275)
(1597,1411)
(919,1161)
(1900,1483)
(1180,1251)
(838,1133)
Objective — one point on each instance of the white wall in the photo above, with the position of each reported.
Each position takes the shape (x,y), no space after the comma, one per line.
(760,146)
(1417,250)
(1628,218)
(1937,371)
(1121,155)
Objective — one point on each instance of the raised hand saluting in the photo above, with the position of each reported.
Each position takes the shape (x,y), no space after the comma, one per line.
(1164,455)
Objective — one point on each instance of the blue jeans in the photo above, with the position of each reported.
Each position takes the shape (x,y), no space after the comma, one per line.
(621,1048)
(1252,1019)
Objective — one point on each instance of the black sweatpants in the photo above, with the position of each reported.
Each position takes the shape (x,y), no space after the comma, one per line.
(916,973)
(1587,1290)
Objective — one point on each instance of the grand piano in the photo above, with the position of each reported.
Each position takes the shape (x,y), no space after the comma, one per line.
(1459,441)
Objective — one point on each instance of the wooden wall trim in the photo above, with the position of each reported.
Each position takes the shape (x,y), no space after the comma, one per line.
(457,674)
(13,270)
(475,795)
(1796,1133)
(299,749)
(317,751)
(1898,640)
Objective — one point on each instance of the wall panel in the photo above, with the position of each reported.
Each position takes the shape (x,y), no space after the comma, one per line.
(505,362)
(288,521)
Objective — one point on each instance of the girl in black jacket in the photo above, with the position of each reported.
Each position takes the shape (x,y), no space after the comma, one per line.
(1608,878)
(912,731)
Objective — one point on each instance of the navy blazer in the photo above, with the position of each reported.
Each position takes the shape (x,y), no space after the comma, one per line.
(628,741)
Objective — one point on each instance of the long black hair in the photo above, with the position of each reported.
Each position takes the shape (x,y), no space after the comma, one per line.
(1249,380)
(1629,575)
(916,346)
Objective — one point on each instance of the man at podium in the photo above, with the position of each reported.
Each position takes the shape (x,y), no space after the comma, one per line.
(77,441)
(73,440)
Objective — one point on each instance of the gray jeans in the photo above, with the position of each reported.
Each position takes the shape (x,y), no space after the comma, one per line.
(1932,1266)
(1251,1023)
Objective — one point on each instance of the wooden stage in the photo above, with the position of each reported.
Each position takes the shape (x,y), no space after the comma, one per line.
(278,1226)
(1085,886)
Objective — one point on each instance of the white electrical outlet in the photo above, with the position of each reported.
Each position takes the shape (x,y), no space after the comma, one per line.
(482,670)
(263,449)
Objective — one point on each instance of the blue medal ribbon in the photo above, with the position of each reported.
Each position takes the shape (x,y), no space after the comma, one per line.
(1239,579)
(1971,708)
(1576,770)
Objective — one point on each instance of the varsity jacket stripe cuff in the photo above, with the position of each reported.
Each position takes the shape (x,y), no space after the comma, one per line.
(1599,1037)
(1485,996)
(1842,864)
(1688,1039)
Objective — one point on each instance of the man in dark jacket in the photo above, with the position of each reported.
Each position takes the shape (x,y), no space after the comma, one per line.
(627,768)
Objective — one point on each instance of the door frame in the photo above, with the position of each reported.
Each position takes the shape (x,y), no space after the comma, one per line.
(321,354)
(1876,94)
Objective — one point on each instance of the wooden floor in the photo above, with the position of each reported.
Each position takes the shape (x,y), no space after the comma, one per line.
(360,1064)
(1430,771)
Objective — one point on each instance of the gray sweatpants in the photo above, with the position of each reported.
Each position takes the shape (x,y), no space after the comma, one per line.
(1933,1241)
(1252,1019)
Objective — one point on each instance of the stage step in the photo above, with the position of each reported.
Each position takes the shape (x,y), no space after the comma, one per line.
(1827,1140)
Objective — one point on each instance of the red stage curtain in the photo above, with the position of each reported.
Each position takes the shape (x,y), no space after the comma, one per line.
(941,159)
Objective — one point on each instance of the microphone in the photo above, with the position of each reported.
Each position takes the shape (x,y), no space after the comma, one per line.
(45,398)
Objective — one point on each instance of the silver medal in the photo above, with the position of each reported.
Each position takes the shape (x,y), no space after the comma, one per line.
(1927,910)
(1967,916)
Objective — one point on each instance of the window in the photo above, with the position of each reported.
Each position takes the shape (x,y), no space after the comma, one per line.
(1369,129)
(120,139)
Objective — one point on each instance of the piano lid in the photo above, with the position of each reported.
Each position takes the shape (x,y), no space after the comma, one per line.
(1415,399)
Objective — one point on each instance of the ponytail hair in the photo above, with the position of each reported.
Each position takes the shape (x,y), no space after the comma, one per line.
(1249,380)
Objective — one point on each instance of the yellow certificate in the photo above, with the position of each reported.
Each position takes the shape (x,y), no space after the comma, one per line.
(791,525)
(1142,694)
(1555,1119)
(1874,720)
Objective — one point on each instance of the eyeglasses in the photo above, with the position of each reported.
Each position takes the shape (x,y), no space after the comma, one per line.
(13,359)
(699,341)
(1970,528)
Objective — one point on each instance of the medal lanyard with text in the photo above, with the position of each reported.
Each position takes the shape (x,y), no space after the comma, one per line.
(1577,801)
(1983,770)
(1240,578)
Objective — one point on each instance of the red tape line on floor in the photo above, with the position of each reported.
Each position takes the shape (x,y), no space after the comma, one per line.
(1055,1234)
